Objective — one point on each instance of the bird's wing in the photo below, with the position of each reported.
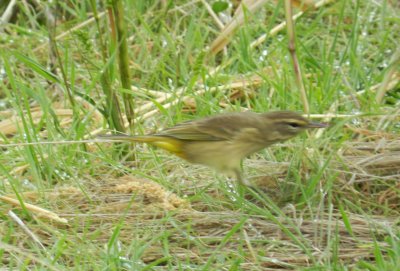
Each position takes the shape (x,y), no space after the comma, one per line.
(221,127)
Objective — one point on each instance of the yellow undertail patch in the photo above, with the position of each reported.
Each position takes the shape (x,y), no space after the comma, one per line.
(173,147)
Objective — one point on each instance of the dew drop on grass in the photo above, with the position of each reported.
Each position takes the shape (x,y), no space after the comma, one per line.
(28,184)
(225,18)
(263,55)
(355,121)
(383,65)
(371,16)
(233,193)
(3,104)
(273,260)
(170,83)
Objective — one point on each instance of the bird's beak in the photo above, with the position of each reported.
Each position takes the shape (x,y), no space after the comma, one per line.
(317,125)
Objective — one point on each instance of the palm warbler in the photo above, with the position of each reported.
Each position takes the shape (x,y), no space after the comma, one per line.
(222,141)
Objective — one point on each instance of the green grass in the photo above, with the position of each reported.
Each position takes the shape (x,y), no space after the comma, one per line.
(327,202)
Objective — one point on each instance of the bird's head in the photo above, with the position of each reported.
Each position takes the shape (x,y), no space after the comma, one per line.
(287,124)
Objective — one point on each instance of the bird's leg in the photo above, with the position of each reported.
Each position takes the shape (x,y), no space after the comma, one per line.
(240,179)
(244,182)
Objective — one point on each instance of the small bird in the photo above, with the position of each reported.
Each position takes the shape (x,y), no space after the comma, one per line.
(221,142)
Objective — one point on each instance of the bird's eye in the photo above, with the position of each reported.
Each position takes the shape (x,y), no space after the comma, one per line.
(293,125)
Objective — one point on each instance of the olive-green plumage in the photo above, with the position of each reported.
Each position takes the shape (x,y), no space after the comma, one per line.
(222,141)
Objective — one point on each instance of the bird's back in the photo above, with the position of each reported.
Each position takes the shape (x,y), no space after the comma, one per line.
(216,128)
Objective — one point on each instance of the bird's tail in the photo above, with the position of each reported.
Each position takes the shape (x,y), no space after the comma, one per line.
(167,143)
(128,138)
